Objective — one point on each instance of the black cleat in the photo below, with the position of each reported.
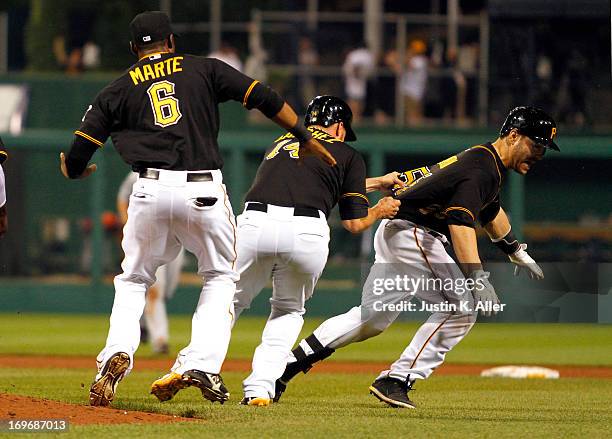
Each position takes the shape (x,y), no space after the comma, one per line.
(279,388)
(393,392)
(210,384)
(102,391)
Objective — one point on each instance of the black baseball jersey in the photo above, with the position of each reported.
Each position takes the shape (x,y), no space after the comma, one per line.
(283,180)
(3,153)
(163,111)
(460,190)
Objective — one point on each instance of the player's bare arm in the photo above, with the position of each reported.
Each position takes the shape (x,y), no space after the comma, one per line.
(466,249)
(384,182)
(386,208)
(500,232)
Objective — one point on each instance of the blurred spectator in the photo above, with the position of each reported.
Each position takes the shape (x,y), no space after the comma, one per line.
(73,50)
(228,54)
(358,66)
(383,89)
(255,65)
(454,88)
(414,81)
(307,59)
(91,55)
(573,90)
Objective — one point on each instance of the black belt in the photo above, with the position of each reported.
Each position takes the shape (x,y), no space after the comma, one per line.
(153,174)
(297,211)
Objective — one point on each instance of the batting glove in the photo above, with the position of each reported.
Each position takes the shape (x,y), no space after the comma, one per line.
(522,260)
(484,293)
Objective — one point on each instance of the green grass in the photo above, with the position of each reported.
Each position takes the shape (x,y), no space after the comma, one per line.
(339,406)
(561,344)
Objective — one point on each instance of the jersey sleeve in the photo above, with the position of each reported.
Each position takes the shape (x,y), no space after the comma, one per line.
(353,202)
(230,84)
(489,212)
(466,203)
(97,121)
(3,153)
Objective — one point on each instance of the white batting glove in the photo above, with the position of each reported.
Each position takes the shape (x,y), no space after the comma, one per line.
(484,293)
(522,259)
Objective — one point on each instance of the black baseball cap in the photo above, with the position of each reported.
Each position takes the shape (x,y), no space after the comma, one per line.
(533,123)
(149,27)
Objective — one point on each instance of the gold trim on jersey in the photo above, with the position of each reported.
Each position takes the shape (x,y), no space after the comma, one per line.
(356,194)
(88,137)
(152,54)
(494,159)
(463,209)
(248,92)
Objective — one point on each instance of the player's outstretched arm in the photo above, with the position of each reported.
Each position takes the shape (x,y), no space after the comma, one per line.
(500,232)
(386,208)
(384,182)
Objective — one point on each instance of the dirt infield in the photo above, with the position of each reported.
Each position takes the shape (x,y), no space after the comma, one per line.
(164,364)
(25,407)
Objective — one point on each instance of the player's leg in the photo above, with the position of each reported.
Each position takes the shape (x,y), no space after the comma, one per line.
(294,280)
(438,335)
(358,324)
(207,229)
(155,316)
(256,255)
(147,243)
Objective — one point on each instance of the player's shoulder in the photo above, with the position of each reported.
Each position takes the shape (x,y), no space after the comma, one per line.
(482,155)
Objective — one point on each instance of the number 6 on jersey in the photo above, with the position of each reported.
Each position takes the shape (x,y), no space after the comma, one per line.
(165,106)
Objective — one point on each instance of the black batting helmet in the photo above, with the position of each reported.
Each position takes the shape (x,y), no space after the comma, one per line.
(533,123)
(327,110)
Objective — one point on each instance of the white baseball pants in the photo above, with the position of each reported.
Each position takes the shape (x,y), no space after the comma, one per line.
(404,249)
(155,315)
(293,251)
(164,214)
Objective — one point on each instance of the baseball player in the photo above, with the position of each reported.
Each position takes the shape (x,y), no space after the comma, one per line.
(154,319)
(163,116)
(3,214)
(440,202)
(283,231)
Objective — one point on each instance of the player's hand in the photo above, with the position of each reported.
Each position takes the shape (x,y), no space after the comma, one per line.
(484,293)
(387,207)
(391,180)
(314,148)
(86,173)
(522,260)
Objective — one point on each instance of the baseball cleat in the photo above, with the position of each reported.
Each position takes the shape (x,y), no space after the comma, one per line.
(102,390)
(167,386)
(393,392)
(279,389)
(210,384)
(255,401)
